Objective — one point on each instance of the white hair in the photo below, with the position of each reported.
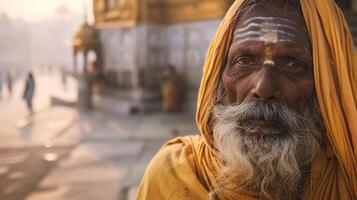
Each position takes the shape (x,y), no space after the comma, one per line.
(265,160)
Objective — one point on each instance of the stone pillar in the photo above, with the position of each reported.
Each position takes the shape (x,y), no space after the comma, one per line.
(99,70)
(354,5)
(85,92)
(85,63)
(75,67)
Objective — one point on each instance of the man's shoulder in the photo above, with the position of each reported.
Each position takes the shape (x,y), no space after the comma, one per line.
(176,152)
(173,166)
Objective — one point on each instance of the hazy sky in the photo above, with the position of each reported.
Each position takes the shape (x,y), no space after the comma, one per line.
(38,10)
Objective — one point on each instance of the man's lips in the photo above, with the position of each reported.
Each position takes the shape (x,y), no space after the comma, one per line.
(262,122)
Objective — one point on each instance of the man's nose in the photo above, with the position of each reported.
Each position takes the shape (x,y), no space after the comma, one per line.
(266,87)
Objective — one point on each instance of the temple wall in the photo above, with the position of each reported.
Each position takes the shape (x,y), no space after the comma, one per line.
(187,46)
(118,55)
(354,5)
(135,12)
(150,48)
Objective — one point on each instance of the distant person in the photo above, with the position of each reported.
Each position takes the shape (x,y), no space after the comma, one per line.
(29,91)
(171,90)
(1,82)
(9,82)
(64,78)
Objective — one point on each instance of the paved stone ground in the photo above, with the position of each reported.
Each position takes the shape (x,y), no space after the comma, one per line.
(29,152)
(110,156)
(63,154)
(22,169)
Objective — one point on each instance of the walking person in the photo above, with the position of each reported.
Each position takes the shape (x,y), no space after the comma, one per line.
(9,82)
(171,90)
(1,83)
(64,78)
(29,91)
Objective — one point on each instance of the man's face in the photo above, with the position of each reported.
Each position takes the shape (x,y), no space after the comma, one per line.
(270,59)
(269,129)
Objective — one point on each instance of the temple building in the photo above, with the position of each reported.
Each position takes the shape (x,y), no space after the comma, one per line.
(139,39)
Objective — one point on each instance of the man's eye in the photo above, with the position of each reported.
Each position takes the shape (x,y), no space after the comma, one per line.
(245,60)
(296,64)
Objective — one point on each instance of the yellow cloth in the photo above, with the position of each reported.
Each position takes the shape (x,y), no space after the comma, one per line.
(186,167)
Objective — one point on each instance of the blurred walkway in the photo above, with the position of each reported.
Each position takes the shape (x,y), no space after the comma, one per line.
(28,153)
(63,154)
(112,154)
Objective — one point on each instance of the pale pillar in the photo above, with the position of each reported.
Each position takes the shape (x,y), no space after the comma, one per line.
(354,5)
(85,86)
(85,63)
(75,67)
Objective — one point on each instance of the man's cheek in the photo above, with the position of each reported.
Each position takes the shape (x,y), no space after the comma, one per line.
(237,87)
(238,91)
(298,93)
(229,90)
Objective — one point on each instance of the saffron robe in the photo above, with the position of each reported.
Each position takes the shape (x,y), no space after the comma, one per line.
(186,167)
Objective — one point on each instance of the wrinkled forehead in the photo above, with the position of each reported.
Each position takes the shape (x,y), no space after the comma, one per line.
(272,28)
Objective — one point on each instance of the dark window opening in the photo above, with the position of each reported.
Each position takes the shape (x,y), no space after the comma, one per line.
(344,4)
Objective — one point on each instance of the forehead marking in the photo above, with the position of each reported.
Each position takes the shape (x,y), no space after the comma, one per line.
(270,36)
(254,25)
(269,56)
(269,19)
(267,31)
(281,33)
(274,21)
(306,47)
(269,62)
(269,53)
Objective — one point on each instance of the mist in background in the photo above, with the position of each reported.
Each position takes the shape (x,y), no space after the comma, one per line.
(35,33)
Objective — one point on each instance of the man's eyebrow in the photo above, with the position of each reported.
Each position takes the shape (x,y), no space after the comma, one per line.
(294,55)
(291,55)
(247,49)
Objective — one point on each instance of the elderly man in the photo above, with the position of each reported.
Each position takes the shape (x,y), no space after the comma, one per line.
(276,110)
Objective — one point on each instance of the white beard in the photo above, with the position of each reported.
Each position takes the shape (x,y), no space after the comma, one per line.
(264,160)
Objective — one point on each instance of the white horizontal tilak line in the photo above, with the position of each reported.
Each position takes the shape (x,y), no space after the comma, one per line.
(272,20)
(262,32)
(256,25)
(257,39)
(268,19)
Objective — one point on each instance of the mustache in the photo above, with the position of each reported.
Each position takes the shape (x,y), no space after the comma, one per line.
(257,110)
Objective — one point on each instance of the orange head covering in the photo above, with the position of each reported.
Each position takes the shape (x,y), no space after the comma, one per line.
(190,162)
(335,68)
